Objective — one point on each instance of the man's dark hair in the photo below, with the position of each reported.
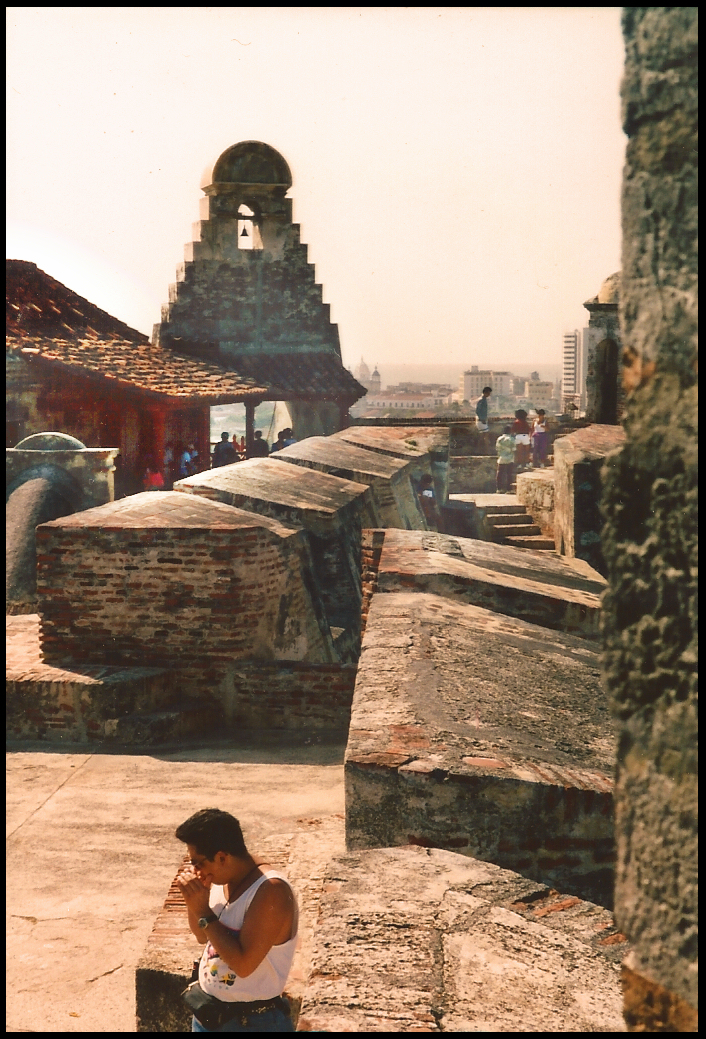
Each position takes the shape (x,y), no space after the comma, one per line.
(487,389)
(258,432)
(507,429)
(211,831)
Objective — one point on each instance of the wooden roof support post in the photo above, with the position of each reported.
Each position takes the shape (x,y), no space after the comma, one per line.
(203,445)
(159,435)
(250,406)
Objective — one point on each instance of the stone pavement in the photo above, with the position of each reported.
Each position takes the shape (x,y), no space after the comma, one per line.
(91,855)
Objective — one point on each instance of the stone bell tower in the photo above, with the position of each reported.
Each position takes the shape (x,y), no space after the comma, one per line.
(247,297)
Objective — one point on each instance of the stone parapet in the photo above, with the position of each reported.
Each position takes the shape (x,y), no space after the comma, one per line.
(542,589)
(173,580)
(389,478)
(535,490)
(481,734)
(331,510)
(578,463)
(417,940)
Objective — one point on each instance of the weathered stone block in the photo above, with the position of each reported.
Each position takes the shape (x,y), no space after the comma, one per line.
(578,462)
(535,490)
(543,589)
(483,734)
(389,478)
(174,580)
(452,944)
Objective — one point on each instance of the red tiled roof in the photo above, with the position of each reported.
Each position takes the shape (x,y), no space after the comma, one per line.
(39,305)
(49,325)
(140,368)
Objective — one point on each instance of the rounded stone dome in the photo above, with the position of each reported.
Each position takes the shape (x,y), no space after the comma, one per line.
(609,291)
(50,442)
(250,162)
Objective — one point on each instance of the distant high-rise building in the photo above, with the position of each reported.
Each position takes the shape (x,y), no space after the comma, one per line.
(573,389)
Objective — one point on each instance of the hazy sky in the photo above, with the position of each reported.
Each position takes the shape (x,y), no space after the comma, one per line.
(456,170)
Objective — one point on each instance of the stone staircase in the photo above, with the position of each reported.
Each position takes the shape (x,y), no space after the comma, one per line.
(510,524)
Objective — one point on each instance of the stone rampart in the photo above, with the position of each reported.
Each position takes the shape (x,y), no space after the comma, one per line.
(543,589)
(331,510)
(481,734)
(390,479)
(578,463)
(535,490)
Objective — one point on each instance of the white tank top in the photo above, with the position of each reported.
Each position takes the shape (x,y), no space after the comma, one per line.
(269,978)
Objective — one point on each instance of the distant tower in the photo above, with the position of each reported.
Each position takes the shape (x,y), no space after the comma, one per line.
(375,381)
(602,353)
(247,297)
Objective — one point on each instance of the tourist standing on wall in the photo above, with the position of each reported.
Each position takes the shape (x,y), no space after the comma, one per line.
(246,916)
(540,439)
(482,410)
(505,450)
(521,431)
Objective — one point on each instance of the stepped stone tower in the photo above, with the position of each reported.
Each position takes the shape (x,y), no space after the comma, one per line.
(246,295)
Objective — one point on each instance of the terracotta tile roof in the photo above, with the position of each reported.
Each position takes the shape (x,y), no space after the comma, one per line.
(305,376)
(51,326)
(138,367)
(37,304)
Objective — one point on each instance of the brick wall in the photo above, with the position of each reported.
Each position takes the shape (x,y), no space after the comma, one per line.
(292,697)
(195,598)
(371,551)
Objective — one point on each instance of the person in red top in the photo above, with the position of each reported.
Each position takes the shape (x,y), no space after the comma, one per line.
(521,432)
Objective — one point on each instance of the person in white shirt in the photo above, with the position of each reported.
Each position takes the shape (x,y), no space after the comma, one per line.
(246,915)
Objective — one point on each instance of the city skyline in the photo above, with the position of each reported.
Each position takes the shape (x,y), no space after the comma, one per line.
(456,170)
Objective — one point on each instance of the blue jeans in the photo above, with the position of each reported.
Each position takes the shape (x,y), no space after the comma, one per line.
(272,1021)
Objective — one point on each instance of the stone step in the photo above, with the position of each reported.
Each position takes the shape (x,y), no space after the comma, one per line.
(498,519)
(536,541)
(503,531)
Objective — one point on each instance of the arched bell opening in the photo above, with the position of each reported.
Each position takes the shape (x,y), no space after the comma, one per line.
(249,236)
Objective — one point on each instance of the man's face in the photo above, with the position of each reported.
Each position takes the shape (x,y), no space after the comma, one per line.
(209,871)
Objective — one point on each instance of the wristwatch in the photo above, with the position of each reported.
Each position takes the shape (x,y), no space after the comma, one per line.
(210,918)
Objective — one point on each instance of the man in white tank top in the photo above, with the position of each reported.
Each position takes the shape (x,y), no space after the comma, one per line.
(245,914)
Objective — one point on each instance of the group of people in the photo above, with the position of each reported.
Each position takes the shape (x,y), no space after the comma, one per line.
(514,444)
(517,442)
(179,464)
(226,452)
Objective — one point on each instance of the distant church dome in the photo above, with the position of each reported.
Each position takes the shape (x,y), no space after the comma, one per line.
(609,291)
(363,373)
(249,162)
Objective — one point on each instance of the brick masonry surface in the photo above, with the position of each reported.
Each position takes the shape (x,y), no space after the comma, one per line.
(174,580)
